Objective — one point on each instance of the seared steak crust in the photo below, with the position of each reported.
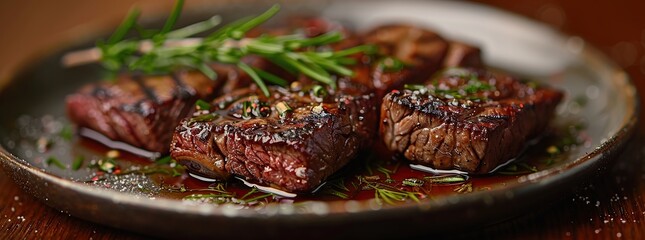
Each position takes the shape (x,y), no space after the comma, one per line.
(247,135)
(141,111)
(466,120)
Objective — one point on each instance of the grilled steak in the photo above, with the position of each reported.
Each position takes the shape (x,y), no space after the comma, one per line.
(141,111)
(465,119)
(292,140)
(297,152)
(413,54)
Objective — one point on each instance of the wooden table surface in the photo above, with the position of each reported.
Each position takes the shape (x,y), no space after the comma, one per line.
(610,206)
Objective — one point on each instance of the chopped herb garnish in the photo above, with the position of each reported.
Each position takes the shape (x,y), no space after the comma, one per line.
(413,182)
(216,198)
(208,117)
(319,91)
(415,87)
(475,86)
(446,179)
(54,161)
(66,133)
(107,165)
(202,105)
(283,108)
(255,108)
(564,140)
(172,169)
(246,109)
(390,64)
(318,109)
(78,163)
(164,160)
(464,188)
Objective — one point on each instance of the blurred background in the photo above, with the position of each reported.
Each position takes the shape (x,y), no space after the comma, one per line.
(32,27)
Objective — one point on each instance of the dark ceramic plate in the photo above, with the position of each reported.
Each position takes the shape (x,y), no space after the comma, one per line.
(609,111)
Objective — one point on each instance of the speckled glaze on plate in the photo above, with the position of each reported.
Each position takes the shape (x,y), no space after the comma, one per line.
(509,42)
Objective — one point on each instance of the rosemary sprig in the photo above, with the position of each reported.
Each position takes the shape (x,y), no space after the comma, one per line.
(162,51)
(446,179)
(389,194)
(336,188)
(219,195)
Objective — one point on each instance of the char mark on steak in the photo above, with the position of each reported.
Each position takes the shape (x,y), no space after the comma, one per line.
(292,140)
(465,119)
(138,110)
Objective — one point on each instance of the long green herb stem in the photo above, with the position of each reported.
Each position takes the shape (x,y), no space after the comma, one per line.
(162,51)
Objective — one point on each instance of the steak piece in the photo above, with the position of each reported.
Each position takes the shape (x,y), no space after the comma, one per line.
(463,55)
(412,55)
(466,119)
(249,135)
(419,51)
(141,111)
